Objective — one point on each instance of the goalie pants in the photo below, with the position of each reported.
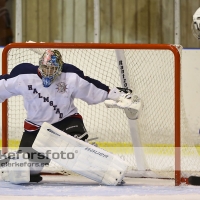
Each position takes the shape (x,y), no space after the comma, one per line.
(73,126)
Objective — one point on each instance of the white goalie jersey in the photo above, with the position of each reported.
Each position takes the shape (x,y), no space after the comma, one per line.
(56,102)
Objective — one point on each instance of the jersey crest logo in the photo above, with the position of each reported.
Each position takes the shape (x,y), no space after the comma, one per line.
(61,87)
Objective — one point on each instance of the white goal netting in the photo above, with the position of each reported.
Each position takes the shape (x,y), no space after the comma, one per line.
(151,76)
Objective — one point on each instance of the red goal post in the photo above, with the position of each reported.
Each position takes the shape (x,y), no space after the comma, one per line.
(176,60)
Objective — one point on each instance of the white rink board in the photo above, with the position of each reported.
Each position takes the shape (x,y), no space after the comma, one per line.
(191,89)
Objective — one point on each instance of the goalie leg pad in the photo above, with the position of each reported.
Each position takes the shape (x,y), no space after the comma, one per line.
(80,157)
(17,171)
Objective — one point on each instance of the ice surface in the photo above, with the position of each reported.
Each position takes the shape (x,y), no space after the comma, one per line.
(77,187)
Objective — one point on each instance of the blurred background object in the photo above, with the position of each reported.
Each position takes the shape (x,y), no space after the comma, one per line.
(120,21)
(6,35)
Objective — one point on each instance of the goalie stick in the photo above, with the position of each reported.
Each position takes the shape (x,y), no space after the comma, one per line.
(194,180)
(134,131)
(87,160)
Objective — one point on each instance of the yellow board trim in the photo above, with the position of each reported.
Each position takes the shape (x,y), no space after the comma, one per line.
(127,148)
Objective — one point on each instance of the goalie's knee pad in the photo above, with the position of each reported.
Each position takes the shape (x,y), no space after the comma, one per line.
(74,126)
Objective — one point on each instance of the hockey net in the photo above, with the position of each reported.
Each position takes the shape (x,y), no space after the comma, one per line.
(153,73)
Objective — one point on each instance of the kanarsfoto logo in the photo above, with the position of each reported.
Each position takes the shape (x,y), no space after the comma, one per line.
(96,152)
(53,132)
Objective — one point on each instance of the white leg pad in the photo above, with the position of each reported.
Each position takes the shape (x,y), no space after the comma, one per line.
(88,160)
(4,174)
(17,171)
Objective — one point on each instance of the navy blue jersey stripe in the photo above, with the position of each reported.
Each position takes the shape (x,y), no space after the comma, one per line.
(24,68)
(5,76)
(28,68)
(68,68)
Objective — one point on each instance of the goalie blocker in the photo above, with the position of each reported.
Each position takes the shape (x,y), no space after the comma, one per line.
(80,157)
(124,99)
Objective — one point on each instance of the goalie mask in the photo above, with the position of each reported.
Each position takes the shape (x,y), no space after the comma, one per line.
(50,66)
(196,24)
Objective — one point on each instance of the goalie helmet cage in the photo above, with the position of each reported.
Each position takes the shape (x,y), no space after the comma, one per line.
(154,74)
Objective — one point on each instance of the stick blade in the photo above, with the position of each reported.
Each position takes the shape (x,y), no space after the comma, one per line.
(194,180)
